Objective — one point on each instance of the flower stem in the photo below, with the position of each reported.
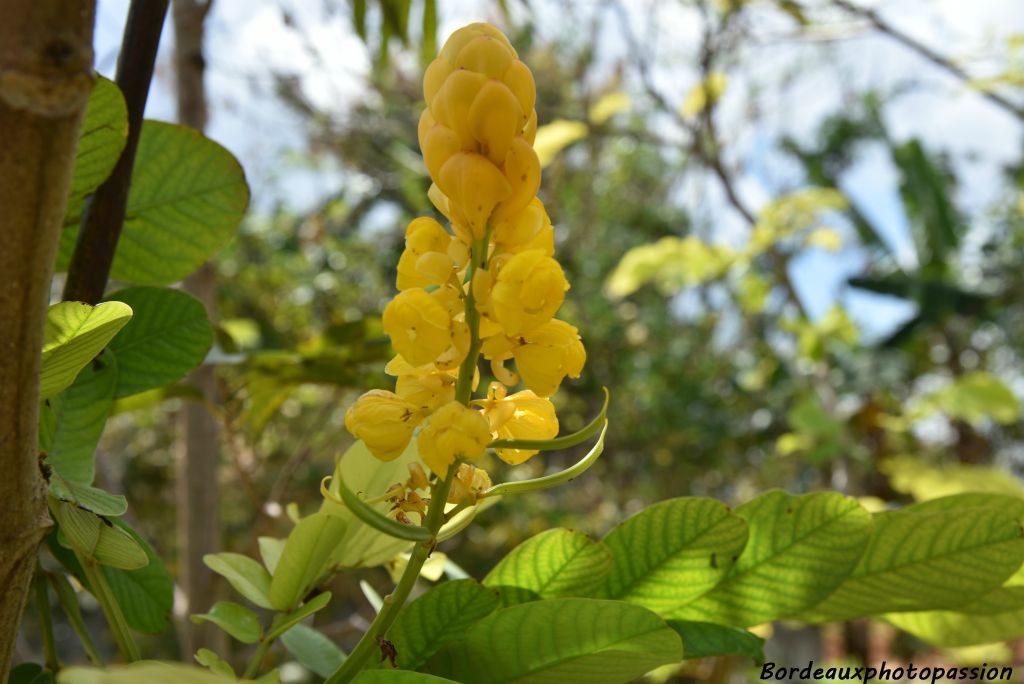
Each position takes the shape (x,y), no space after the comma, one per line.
(394,602)
(261,651)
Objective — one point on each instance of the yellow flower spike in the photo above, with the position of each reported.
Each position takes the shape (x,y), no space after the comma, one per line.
(520,81)
(384,421)
(522,169)
(450,106)
(548,354)
(434,77)
(528,291)
(453,432)
(438,143)
(485,55)
(494,120)
(474,185)
(429,391)
(522,415)
(419,326)
(423,237)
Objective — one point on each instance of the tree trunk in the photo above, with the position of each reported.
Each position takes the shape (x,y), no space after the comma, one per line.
(198,491)
(45,79)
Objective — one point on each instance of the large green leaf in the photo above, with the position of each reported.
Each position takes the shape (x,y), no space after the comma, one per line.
(800,549)
(440,616)
(366,476)
(102,137)
(554,564)
(146,595)
(187,197)
(249,578)
(563,640)
(74,335)
(238,621)
(706,639)
(926,557)
(148,671)
(92,499)
(306,557)
(98,539)
(398,677)
(315,651)
(996,616)
(71,423)
(672,552)
(167,337)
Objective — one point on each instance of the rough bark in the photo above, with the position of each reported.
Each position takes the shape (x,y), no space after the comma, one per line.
(198,490)
(45,79)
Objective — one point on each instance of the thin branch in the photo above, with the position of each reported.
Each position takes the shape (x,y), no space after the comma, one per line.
(924,51)
(104,214)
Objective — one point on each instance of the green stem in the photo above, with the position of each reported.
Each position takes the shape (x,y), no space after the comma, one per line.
(111,610)
(69,602)
(261,650)
(45,622)
(393,603)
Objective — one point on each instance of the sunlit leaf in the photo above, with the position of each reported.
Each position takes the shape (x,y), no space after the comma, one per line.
(553,564)
(74,335)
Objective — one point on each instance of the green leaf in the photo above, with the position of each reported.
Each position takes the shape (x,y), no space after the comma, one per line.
(270,551)
(99,539)
(249,578)
(438,617)
(299,614)
(89,498)
(316,652)
(167,337)
(362,545)
(398,677)
(996,616)
(799,550)
(707,639)
(146,595)
(214,663)
(236,620)
(306,557)
(554,564)
(71,424)
(926,559)
(187,197)
(75,333)
(672,552)
(148,671)
(563,640)
(103,135)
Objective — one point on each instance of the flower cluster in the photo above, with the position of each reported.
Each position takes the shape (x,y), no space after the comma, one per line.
(488,286)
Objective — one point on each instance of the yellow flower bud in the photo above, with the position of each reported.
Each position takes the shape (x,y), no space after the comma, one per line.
(530,129)
(460,38)
(418,325)
(520,81)
(454,431)
(469,483)
(438,143)
(474,186)
(529,229)
(450,106)
(434,77)
(427,239)
(529,289)
(384,421)
(548,354)
(428,391)
(485,55)
(494,120)
(522,170)
(522,415)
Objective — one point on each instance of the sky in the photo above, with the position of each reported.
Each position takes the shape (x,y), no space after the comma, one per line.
(250,39)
